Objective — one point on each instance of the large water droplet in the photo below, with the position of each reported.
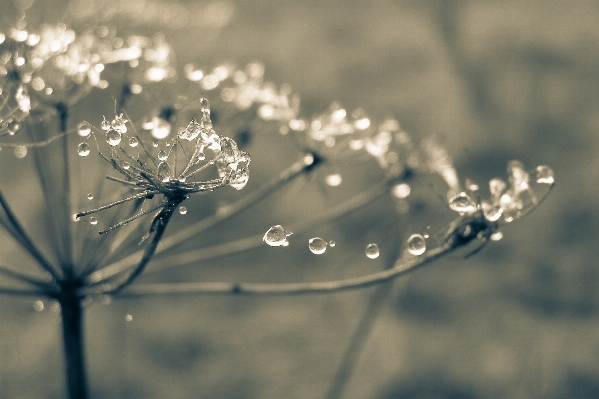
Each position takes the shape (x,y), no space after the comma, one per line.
(83,149)
(20,151)
(276,236)
(545,175)
(164,172)
(182,210)
(113,138)
(119,124)
(317,245)
(462,203)
(372,251)
(192,131)
(416,244)
(84,129)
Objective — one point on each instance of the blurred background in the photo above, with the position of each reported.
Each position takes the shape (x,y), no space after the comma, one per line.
(495,81)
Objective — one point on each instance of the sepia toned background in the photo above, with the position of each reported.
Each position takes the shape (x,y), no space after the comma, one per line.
(495,81)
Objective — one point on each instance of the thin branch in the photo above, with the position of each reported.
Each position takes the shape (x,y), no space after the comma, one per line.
(403,267)
(18,275)
(245,202)
(22,237)
(21,292)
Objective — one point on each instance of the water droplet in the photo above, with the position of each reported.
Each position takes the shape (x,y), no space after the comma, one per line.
(372,251)
(93,220)
(20,151)
(317,245)
(192,131)
(545,175)
(119,124)
(401,190)
(276,236)
(126,165)
(83,149)
(332,243)
(154,144)
(90,196)
(105,125)
(133,142)
(162,155)
(416,244)
(462,203)
(75,217)
(128,317)
(334,179)
(496,236)
(38,306)
(182,210)
(84,129)
(113,138)
(164,172)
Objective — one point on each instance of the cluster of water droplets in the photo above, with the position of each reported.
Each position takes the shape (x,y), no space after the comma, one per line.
(509,200)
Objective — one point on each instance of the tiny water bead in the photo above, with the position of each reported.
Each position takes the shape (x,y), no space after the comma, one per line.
(416,244)
(372,251)
(90,196)
(276,236)
(20,151)
(128,317)
(84,129)
(332,243)
(93,220)
(162,155)
(545,175)
(133,142)
(317,245)
(182,210)
(126,165)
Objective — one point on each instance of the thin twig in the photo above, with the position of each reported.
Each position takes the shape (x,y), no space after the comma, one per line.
(403,267)
(18,275)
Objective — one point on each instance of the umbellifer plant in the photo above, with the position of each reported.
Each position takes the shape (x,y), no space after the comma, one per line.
(176,151)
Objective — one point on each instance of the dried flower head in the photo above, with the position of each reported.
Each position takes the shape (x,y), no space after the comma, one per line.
(172,169)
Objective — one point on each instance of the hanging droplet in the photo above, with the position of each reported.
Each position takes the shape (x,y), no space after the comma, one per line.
(416,244)
(333,179)
(276,236)
(113,138)
(332,243)
(93,220)
(182,210)
(317,245)
(372,251)
(83,149)
(90,196)
(462,203)
(133,142)
(496,236)
(164,172)
(119,124)
(205,107)
(162,155)
(84,129)
(545,175)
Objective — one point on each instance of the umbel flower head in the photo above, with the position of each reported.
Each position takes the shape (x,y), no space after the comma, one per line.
(171,171)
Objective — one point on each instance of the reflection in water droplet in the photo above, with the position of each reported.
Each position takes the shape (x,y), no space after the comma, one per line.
(276,236)
(545,175)
(90,196)
(372,251)
(113,138)
(416,244)
(462,203)
(83,149)
(182,210)
(317,245)
(93,220)
(334,179)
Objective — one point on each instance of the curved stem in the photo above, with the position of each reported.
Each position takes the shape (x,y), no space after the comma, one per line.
(73,344)
(401,268)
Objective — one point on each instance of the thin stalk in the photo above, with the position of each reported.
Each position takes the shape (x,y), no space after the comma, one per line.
(275,184)
(23,238)
(403,267)
(63,115)
(73,344)
(18,275)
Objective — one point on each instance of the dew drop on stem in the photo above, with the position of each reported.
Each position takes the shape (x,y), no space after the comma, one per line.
(83,149)
(372,251)
(416,244)
(182,210)
(276,236)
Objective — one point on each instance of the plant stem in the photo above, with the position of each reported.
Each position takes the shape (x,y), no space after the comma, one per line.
(74,351)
